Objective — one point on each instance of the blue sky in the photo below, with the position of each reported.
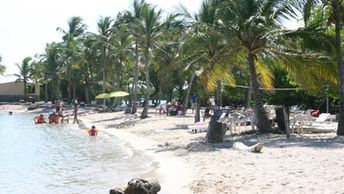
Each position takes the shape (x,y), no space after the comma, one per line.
(26,26)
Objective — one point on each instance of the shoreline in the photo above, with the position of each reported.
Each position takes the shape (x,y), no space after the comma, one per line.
(296,165)
(166,168)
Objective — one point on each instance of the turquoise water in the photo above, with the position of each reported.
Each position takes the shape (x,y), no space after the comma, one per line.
(62,159)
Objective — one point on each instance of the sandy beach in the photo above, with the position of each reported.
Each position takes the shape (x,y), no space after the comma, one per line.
(311,163)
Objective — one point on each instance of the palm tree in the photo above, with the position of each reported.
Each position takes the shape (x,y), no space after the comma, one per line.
(336,18)
(53,60)
(24,75)
(72,52)
(104,42)
(213,48)
(88,67)
(148,29)
(133,16)
(255,31)
(122,42)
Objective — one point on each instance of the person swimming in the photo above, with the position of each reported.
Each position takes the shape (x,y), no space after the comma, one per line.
(93,131)
(39,119)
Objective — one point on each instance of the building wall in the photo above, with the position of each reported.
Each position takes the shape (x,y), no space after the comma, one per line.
(12,91)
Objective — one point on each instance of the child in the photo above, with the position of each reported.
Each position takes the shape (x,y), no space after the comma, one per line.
(93,131)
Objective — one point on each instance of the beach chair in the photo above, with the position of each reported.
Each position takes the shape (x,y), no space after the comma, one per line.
(203,126)
(199,127)
(322,117)
(301,122)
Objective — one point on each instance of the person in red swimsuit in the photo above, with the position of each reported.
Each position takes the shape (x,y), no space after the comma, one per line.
(93,131)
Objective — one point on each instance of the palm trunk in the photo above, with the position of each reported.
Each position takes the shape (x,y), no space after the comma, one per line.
(104,74)
(25,93)
(135,80)
(74,91)
(69,91)
(87,93)
(219,92)
(338,18)
(46,92)
(186,100)
(262,118)
(114,85)
(249,95)
(144,113)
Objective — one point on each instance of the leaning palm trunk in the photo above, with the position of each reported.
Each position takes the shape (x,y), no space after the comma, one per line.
(135,80)
(186,100)
(336,5)
(144,113)
(263,122)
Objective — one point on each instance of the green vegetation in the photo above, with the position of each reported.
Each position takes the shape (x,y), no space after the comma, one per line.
(227,43)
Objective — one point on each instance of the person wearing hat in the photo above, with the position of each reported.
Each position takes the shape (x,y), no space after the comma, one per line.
(93,131)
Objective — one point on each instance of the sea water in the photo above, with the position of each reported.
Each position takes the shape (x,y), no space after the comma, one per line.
(62,159)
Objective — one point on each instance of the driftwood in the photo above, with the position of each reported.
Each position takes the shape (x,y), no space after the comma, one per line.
(139,186)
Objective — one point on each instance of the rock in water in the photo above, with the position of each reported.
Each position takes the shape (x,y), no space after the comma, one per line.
(116,191)
(139,186)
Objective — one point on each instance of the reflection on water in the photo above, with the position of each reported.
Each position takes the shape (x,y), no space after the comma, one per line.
(62,158)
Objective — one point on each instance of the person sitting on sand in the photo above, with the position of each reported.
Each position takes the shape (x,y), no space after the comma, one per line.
(93,131)
(39,119)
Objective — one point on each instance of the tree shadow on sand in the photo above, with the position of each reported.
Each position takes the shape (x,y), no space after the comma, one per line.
(271,141)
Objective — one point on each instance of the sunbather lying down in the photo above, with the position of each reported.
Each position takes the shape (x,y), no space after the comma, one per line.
(255,148)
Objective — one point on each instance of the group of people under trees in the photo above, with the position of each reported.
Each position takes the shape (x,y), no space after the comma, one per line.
(176,108)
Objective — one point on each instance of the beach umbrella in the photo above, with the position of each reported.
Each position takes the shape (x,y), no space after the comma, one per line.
(102,96)
(118,94)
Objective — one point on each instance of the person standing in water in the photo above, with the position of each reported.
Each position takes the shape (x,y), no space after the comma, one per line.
(75,111)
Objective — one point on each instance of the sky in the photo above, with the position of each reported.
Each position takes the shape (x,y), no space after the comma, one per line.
(26,26)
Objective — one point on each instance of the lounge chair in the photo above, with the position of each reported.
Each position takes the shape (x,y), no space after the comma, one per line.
(203,126)
(301,122)
(199,127)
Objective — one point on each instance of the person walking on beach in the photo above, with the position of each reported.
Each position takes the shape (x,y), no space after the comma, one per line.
(193,102)
(211,103)
(75,111)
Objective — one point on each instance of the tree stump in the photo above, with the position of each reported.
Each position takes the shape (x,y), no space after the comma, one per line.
(216,130)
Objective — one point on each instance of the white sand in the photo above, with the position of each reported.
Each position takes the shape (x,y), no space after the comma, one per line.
(301,164)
